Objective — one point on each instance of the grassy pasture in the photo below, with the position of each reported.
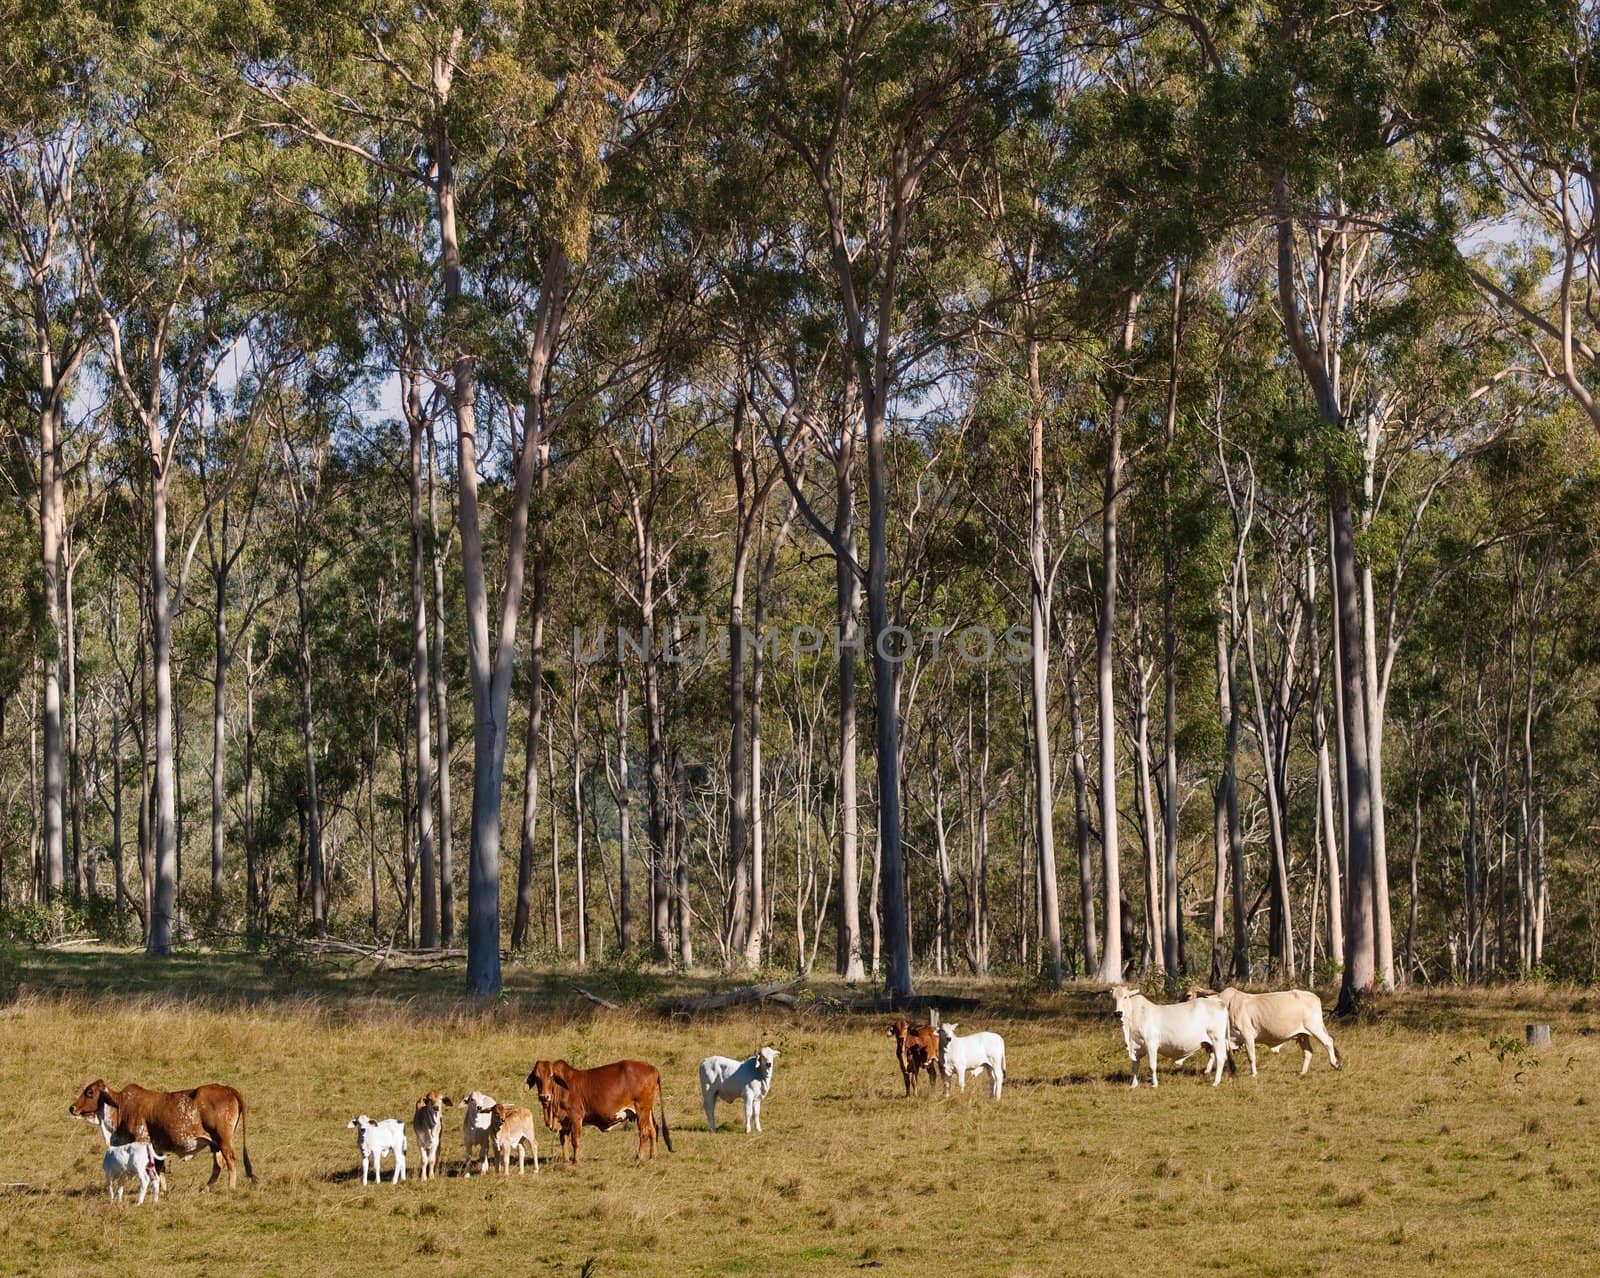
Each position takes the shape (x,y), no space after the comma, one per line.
(1431,1150)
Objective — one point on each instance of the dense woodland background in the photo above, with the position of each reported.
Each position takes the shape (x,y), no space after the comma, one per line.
(413,416)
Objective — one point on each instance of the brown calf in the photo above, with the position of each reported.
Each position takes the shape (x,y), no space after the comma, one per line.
(606,1097)
(179,1123)
(916,1049)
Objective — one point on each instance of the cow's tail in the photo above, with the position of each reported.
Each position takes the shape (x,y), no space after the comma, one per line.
(661,1094)
(244,1142)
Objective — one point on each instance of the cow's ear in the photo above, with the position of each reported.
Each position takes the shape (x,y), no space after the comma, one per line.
(447,1101)
(559,1081)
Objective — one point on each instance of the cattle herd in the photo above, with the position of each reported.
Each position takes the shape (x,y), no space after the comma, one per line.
(141,1127)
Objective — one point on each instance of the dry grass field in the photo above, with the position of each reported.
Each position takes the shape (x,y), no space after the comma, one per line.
(1441,1146)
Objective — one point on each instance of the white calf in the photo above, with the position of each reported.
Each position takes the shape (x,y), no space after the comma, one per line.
(476,1122)
(106,1125)
(1175,1030)
(136,1162)
(374,1140)
(984,1050)
(725,1079)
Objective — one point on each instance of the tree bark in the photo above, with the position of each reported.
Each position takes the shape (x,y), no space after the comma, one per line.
(624,820)
(848,637)
(1039,673)
(1172,915)
(315,873)
(441,692)
(530,771)
(421,687)
(165,899)
(52,520)
(1112,960)
(1080,803)
(219,720)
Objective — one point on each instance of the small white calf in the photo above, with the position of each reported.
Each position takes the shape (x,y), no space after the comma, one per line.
(374,1140)
(427,1123)
(107,1126)
(1176,1030)
(477,1119)
(725,1079)
(984,1050)
(136,1162)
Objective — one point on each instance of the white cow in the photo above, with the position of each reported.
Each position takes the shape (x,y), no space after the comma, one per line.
(374,1140)
(1176,1030)
(1276,1020)
(723,1078)
(477,1118)
(984,1050)
(427,1123)
(137,1162)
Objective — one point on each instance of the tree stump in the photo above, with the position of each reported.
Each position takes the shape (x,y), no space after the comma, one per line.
(1538,1036)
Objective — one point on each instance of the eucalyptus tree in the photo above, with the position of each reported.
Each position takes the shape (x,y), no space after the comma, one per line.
(886,109)
(48,110)
(521,106)
(182,231)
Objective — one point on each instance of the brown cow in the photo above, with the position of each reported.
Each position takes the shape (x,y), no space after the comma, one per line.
(606,1097)
(916,1050)
(174,1122)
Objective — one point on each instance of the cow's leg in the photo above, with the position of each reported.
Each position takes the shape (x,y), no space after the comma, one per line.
(1323,1037)
(709,1096)
(997,1078)
(1133,1056)
(216,1165)
(1304,1040)
(1250,1051)
(1154,1053)
(230,1160)
(144,1185)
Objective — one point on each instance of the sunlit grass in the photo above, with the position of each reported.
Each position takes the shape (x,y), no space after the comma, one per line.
(1440,1146)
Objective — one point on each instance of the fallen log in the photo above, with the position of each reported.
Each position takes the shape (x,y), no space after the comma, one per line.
(595,998)
(766,992)
(888,1003)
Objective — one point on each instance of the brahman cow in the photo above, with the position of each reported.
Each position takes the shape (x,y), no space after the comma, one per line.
(723,1078)
(916,1049)
(1276,1020)
(983,1050)
(179,1123)
(605,1097)
(1172,1029)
